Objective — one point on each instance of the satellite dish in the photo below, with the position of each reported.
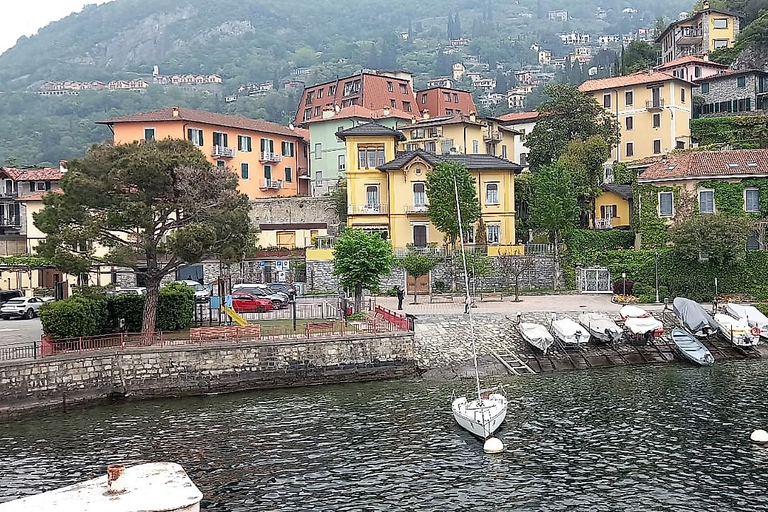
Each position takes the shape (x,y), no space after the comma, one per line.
(290,126)
(336,108)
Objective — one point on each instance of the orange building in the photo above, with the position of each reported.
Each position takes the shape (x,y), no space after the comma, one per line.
(442,101)
(270,159)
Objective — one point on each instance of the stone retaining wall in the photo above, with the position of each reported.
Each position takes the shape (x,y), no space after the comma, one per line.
(194,370)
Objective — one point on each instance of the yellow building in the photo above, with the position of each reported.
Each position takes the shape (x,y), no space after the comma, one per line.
(613,206)
(653,110)
(386,192)
(700,34)
(459,134)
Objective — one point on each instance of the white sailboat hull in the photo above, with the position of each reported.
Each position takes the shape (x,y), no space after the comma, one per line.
(481,418)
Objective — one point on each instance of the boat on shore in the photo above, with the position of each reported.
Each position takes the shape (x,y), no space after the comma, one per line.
(753,316)
(640,323)
(535,335)
(694,318)
(601,327)
(737,331)
(690,348)
(568,332)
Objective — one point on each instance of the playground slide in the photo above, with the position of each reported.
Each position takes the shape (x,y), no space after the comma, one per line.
(231,313)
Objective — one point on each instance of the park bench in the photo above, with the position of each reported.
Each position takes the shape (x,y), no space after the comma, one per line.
(318,327)
(440,297)
(488,297)
(225,333)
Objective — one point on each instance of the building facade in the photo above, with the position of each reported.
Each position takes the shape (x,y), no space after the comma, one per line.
(443,101)
(699,34)
(269,158)
(523,124)
(733,92)
(653,109)
(692,68)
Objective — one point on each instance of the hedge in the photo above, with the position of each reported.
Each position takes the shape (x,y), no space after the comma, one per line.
(89,315)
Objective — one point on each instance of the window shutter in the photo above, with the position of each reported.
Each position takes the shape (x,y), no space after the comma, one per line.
(189,133)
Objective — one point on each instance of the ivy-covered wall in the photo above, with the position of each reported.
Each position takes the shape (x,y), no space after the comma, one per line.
(738,132)
(652,228)
(729,197)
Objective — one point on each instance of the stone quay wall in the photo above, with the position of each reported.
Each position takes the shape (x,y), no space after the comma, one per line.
(541,276)
(61,381)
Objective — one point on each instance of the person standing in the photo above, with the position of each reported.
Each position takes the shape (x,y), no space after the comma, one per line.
(400,297)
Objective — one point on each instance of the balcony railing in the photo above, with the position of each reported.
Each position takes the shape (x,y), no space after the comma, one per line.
(654,104)
(9,195)
(416,208)
(223,152)
(606,223)
(267,184)
(401,252)
(492,136)
(268,156)
(12,220)
(368,209)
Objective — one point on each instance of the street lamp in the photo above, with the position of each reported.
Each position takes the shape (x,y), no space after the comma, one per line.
(624,282)
(656,258)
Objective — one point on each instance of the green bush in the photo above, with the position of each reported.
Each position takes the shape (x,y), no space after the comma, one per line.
(74,317)
(127,307)
(175,307)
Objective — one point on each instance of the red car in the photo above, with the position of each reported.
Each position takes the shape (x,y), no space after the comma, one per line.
(247,303)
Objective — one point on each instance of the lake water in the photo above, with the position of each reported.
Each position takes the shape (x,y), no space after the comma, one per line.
(656,438)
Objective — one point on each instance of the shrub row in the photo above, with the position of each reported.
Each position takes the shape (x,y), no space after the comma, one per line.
(92,314)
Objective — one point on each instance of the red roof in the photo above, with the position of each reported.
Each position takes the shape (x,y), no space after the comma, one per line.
(203,117)
(518,117)
(708,164)
(691,59)
(302,132)
(639,78)
(40,174)
(38,196)
(365,113)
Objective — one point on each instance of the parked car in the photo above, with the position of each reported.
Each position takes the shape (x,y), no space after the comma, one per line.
(279,300)
(249,303)
(6,295)
(202,293)
(130,290)
(286,288)
(21,307)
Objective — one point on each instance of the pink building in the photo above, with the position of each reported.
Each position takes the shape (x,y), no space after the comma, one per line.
(692,68)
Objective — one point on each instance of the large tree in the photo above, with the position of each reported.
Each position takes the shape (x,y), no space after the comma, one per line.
(153,206)
(417,265)
(441,193)
(554,207)
(636,56)
(584,161)
(567,115)
(360,259)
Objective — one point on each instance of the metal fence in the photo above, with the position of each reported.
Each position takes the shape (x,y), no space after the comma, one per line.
(18,352)
(537,249)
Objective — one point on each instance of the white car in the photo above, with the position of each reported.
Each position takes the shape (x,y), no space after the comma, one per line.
(21,307)
(202,293)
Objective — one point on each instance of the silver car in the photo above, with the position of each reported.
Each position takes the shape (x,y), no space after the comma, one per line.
(202,293)
(21,307)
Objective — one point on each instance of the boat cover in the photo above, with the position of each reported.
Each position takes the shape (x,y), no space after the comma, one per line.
(643,325)
(630,311)
(693,315)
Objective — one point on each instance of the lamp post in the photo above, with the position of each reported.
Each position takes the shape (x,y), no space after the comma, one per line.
(624,282)
(656,259)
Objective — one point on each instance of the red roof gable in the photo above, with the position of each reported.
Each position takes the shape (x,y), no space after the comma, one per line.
(691,59)
(518,117)
(707,164)
(639,78)
(40,174)
(203,117)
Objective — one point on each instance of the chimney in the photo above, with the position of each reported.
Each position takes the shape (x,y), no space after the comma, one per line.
(472,116)
(175,111)
(425,113)
(705,4)
(62,166)
(385,112)
(328,112)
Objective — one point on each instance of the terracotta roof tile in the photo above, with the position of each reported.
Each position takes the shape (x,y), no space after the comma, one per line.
(38,196)
(641,77)
(40,174)
(518,117)
(471,162)
(203,117)
(691,59)
(707,164)
(302,132)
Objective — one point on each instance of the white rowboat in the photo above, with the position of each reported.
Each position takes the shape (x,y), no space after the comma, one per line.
(601,327)
(536,335)
(569,332)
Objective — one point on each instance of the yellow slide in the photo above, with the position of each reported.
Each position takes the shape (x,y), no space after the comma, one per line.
(231,313)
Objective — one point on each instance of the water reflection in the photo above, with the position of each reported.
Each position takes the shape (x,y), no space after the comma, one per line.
(646,438)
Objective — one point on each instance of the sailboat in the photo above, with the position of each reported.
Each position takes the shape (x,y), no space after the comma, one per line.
(482,414)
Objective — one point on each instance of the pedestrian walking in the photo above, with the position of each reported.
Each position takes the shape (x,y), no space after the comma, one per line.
(467,304)
(400,297)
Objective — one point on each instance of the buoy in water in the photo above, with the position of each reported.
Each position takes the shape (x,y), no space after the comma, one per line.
(494,445)
(759,436)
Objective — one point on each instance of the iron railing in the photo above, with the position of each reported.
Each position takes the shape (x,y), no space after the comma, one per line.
(19,352)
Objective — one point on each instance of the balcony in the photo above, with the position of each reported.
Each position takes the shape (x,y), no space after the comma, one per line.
(10,221)
(401,252)
(268,184)
(9,195)
(492,136)
(268,156)
(223,152)
(657,104)
(416,208)
(606,223)
(368,209)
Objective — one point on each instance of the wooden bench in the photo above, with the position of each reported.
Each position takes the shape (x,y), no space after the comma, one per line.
(225,333)
(487,297)
(440,297)
(318,326)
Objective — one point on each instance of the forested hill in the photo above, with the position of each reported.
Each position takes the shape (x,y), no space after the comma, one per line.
(253,41)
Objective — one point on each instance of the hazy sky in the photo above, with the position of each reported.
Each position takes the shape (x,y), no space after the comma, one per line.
(25,17)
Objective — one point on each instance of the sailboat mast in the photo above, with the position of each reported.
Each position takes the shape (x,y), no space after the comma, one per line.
(468,298)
